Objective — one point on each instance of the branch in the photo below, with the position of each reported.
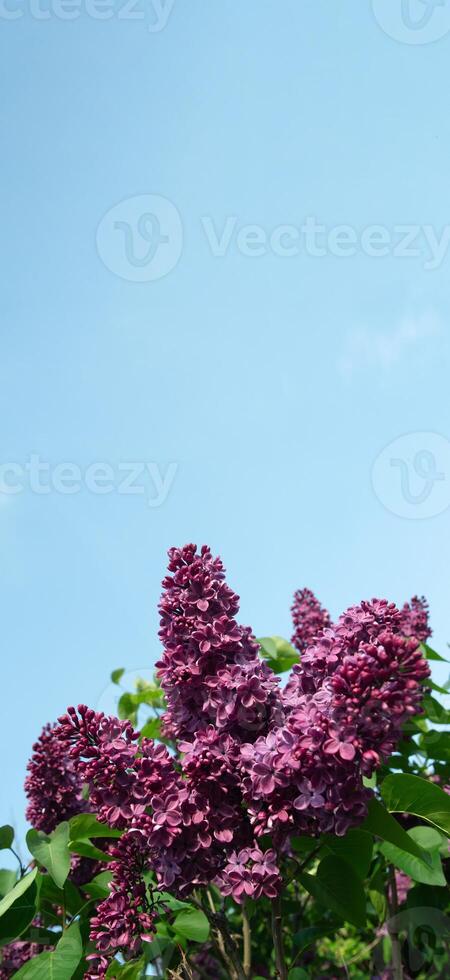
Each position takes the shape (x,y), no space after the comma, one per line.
(392,929)
(247,941)
(277,933)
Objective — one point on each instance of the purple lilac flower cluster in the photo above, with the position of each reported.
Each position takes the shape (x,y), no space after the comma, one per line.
(54,789)
(126,916)
(346,704)
(250,873)
(53,785)
(251,759)
(14,955)
(415,619)
(184,818)
(210,670)
(309,617)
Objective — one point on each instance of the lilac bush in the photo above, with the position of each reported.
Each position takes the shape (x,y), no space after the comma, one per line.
(249,767)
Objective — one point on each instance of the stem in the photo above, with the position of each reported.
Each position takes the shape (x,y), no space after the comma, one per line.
(277,933)
(219,937)
(392,929)
(225,941)
(22,869)
(247,941)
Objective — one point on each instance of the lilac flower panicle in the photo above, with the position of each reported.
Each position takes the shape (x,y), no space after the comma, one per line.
(16,954)
(210,671)
(309,618)
(415,619)
(126,916)
(346,704)
(53,785)
(121,779)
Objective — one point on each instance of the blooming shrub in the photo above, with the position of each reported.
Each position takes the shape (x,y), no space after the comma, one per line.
(246,785)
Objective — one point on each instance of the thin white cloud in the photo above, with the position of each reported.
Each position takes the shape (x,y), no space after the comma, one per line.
(367,347)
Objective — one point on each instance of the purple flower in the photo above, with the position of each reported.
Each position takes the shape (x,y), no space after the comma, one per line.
(14,955)
(309,618)
(210,671)
(121,779)
(250,873)
(345,707)
(414,619)
(126,916)
(53,786)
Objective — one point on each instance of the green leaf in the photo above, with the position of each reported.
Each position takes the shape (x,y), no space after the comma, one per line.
(6,837)
(380,822)
(411,794)
(431,654)
(192,924)
(336,886)
(377,894)
(85,849)
(301,845)
(435,711)
(297,973)
(18,907)
(151,729)
(430,840)
(436,745)
(57,965)
(16,892)
(52,851)
(117,674)
(307,936)
(280,654)
(435,687)
(427,897)
(68,896)
(7,881)
(126,709)
(133,970)
(82,828)
(86,825)
(356,848)
(172,903)
(99,886)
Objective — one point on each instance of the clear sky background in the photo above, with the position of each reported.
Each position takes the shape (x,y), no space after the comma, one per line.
(271,382)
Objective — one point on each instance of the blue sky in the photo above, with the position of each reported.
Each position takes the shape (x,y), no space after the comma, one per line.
(260,371)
